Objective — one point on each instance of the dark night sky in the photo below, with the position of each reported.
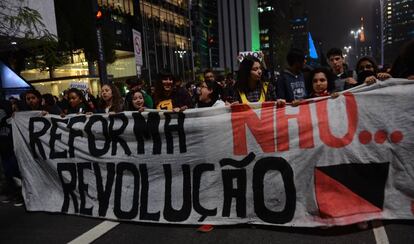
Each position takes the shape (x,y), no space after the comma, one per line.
(331,21)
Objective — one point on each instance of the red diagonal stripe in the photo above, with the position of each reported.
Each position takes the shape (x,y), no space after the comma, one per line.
(336,200)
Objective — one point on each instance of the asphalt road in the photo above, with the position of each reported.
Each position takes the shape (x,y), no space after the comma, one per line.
(19,226)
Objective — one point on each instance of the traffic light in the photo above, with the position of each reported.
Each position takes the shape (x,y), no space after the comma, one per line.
(210,41)
(99,17)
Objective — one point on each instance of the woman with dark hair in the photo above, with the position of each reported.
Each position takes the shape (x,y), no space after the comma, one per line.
(137,102)
(33,100)
(210,95)
(249,86)
(77,102)
(168,96)
(111,100)
(368,72)
(321,83)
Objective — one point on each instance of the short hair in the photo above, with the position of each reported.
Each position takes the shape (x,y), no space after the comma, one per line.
(334,52)
(208,71)
(49,99)
(294,56)
(165,74)
(216,90)
(159,89)
(34,92)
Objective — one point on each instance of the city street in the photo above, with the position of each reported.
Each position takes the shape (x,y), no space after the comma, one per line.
(19,226)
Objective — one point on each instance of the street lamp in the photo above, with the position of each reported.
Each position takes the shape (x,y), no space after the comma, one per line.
(181,54)
(356,33)
(347,48)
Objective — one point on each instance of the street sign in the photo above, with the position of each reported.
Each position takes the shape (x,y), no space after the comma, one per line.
(136,36)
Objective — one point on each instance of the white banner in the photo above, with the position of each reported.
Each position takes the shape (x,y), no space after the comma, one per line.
(326,162)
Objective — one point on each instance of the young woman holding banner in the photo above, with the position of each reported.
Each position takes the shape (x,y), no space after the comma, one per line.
(111,100)
(169,97)
(250,87)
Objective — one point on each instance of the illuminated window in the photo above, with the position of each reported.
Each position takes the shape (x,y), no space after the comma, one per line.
(125,6)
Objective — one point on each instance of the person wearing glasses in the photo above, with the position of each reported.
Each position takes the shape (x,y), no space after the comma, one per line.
(209,95)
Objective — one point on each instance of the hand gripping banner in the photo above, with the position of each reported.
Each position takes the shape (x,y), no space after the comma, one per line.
(326,162)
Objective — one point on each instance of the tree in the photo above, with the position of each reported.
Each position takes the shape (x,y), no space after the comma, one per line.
(18,21)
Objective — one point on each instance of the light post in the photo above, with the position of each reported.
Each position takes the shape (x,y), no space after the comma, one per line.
(347,48)
(181,54)
(356,33)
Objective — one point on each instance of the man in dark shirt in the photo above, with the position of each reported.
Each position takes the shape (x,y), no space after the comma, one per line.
(336,61)
(291,84)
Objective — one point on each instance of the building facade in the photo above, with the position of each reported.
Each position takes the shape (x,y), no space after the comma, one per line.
(165,33)
(274,32)
(204,19)
(166,38)
(398,26)
(238,25)
(76,32)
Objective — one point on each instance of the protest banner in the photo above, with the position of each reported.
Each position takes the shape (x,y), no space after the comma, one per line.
(326,162)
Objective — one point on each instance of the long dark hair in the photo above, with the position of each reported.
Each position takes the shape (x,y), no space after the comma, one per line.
(117,102)
(369,59)
(159,88)
(329,77)
(131,101)
(243,75)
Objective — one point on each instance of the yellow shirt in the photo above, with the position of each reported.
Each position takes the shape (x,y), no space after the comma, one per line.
(165,105)
(262,94)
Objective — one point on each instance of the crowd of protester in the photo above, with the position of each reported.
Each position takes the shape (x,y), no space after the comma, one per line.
(296,83)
